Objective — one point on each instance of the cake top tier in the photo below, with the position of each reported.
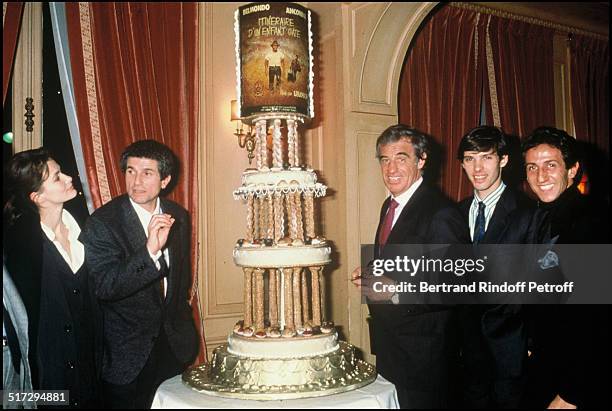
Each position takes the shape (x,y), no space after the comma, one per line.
(270,181)
(274,61)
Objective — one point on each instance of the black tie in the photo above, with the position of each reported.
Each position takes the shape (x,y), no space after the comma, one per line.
(164,271)
(479,227)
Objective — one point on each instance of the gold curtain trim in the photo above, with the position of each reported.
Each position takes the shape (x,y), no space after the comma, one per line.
(92,102)
(4,6)
(492,82)
(532,20)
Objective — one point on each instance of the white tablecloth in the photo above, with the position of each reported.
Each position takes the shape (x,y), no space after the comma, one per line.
(173,393)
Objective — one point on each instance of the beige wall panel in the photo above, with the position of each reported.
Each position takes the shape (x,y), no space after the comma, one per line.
(380,52)
(222,162)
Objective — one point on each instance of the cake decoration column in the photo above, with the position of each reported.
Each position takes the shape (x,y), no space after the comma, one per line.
(288,302)
(248,297)
(316,295)
(256,218)
(297,199)
(291,142)
(259,299)
(262,217)
(297,300)
(305,302)
(278,216)
(273,312)
(277,274)
(270,233)
(262,154)
(294,149)
(276,139)
(258,160)
(291,215)
(309,213)
(249,227)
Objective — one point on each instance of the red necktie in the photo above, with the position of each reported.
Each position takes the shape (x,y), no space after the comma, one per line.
(387,223)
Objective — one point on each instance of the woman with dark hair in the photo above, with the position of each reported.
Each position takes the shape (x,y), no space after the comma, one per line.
(46,262)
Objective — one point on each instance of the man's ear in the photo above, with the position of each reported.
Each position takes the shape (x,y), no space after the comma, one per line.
(504,161)
(571,173)
(421,161)
(165,182)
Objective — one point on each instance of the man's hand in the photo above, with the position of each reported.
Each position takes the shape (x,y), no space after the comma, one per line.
(560,404)
(365,283)
(356,277)
(159,228)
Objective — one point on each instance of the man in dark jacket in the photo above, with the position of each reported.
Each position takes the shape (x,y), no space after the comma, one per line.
(569,363)
(494,343)
(415,345)
(138,253)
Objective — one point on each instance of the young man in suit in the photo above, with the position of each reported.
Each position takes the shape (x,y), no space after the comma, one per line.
(415,345)
(494,343)
(569,365)
(137,248)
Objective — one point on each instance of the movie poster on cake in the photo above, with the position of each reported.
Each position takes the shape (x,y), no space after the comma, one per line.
(274,59)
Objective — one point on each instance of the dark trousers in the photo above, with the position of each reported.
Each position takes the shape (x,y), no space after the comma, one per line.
(161,365)
(419,356)
(274,73)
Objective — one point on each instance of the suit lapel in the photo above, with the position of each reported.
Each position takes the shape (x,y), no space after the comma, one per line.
(133,229)
(504,206)
(405,221)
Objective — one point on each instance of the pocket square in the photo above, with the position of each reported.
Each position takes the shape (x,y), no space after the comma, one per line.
(550,260)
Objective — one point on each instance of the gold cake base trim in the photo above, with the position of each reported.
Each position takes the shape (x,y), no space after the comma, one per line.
(232,376)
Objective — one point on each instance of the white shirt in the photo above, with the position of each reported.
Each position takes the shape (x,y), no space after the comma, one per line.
(274,58)
(145,218)
(490,203)
(77,251)
(403,199)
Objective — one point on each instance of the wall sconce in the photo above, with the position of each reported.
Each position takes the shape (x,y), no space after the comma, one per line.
(244,139)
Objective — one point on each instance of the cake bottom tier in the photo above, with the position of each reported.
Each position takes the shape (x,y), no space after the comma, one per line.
(232,376)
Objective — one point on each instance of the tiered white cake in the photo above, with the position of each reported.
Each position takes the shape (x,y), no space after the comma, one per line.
(282,348)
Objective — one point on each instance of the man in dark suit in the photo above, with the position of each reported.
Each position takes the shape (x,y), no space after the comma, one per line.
(494,343)
(415,345)
(137,248)
(569,364)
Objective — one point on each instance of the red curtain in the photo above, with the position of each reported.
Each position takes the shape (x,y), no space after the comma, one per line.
(590,59)
(10,33)
(135,72)
(441,86)
(524,95)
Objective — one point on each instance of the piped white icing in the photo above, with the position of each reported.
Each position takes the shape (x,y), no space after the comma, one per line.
(295,347)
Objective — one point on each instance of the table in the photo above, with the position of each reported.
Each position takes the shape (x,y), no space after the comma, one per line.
(173,393)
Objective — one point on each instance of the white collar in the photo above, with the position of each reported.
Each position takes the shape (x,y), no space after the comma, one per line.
(73,227)
(403,198)
(144,216)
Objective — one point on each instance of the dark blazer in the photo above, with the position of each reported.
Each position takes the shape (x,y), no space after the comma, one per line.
(126,284)
(60,311)
(415,344)
(509,201)
(570,343)
(494,337)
